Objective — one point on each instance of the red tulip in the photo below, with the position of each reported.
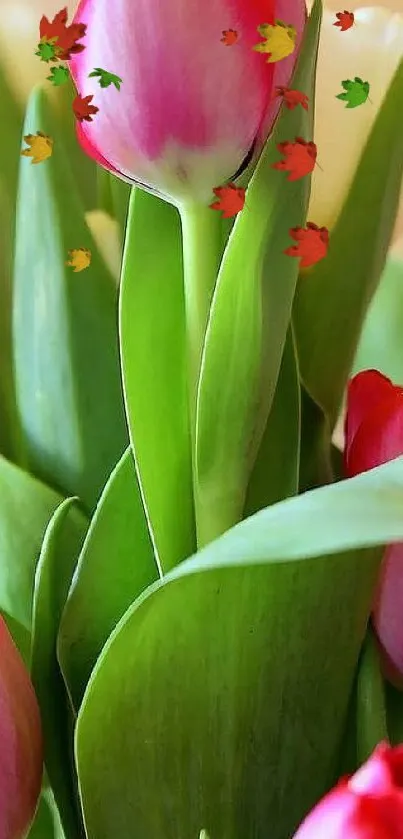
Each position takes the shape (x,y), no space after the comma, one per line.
(190,109)
(367,805)
(374,435)
(21,756)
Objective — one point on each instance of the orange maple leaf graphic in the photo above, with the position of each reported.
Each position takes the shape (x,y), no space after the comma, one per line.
(229,37)
(231,200)
(66,36)
(83,109)
(300,158)
(292,98)
(313,242)
(345,20)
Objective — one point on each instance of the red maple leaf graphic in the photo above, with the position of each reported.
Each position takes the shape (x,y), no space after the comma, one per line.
(82,108)
(231,199)
(66,36)
(292,98)
(313,242)
(345,20)
(230,37)
(300,158)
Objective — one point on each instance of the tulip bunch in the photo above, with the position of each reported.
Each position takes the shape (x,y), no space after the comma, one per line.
(201,576)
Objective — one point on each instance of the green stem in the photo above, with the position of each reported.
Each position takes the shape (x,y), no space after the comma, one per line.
(202,248)
(371,709)
(202,251)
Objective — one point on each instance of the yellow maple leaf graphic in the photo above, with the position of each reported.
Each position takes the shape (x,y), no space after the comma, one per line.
(40,147)
(79,258)
(279,40)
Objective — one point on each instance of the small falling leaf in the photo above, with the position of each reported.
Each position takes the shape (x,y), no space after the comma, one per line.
(231,200)
(292,98)
(48,50)
(345,20)
(83,109)
(106,78)
(279,40)
(79,259)
(299,158)
(230,37)
(355,92)
(40,147)
(58,75)
(313,243)
(67,36)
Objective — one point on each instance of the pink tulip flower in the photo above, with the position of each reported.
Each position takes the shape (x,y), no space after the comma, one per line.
(21,756)
(368,805)
(191,111)
(374,435)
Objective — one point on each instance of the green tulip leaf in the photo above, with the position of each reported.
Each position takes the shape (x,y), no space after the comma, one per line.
(60,549)
(154,364)
(68,382)
(11,119)
(116,564)
(249,317)
(231,677)
(26,505)
(333,296)
(275,474)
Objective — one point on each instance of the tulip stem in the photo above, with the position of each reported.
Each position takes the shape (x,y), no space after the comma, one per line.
(202,250)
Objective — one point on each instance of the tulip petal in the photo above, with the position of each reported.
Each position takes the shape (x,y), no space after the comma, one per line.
(189,108)
(21,742)
(388,611)
(379,438)
(365,392)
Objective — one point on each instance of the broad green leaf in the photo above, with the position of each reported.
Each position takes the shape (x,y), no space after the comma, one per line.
(26,505)
(65,332)
(275,474)
(249,318)
(380,344)
(11,119)
(154,364)
(371,721)
(231,677)
(116,564)
(333,297)
(60,549)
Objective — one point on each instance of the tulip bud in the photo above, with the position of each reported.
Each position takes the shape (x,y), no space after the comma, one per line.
(369,804)
(21,755)
(374,435)
(191,110)
(372,50)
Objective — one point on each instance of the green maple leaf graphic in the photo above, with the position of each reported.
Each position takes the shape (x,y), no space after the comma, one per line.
(106,78)
(48,49)
(58,75)
(355,92)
